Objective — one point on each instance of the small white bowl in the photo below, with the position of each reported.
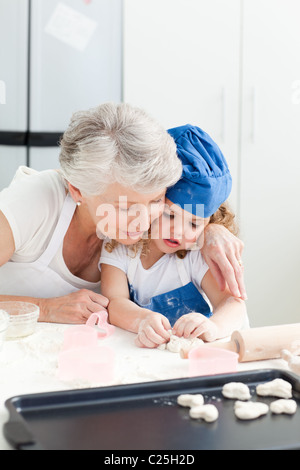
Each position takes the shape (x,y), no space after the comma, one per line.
(23,318)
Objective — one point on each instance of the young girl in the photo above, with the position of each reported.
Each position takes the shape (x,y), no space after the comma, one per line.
(167,284)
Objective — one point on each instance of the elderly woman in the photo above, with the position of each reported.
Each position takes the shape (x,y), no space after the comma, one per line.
(113,156)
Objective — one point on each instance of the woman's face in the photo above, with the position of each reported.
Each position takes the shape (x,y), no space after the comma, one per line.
(177,229)
(124,215)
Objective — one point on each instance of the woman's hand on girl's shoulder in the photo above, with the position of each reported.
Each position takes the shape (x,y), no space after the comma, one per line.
(222,252)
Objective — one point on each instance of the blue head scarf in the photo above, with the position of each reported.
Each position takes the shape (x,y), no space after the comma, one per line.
(206,181)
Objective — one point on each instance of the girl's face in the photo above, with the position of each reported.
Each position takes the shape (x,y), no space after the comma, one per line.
(177,229)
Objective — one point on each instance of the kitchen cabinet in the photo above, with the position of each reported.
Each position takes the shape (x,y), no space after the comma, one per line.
(13,73)
(57,58)
(181,64)
(270,159)
(10,159)
(233,68)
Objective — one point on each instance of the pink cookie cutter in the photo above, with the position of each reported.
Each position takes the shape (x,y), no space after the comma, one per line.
(206,360)
(87,335)
(82,357)
(95,364)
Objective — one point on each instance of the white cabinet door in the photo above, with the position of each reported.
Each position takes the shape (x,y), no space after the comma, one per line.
(75,59)
(13,77)
(270,164)
(181,64)
(13,64)
(10,160)
(44,158)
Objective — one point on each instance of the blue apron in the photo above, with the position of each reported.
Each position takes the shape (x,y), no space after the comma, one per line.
(175,303)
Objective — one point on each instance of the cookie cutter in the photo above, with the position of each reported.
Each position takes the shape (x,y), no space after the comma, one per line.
(82,358)
(206,360)
(96,327)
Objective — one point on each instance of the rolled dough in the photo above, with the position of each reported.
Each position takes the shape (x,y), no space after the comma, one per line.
(276,388)
(190,400)
(283,406)
(175,344)
(236,390)
(207,412)
(250,410)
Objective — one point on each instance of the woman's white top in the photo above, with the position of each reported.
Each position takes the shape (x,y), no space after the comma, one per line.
(39,213)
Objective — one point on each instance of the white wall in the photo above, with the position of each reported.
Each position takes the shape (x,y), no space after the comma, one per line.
(232,67)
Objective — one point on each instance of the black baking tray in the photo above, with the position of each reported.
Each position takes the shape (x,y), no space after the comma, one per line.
(146,416)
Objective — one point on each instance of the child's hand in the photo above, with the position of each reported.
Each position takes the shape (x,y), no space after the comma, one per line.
(153,331)
(195,325)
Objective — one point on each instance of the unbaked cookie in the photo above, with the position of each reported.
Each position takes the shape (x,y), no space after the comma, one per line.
(237,391)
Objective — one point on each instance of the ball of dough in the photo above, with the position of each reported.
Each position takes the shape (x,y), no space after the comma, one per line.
(237,391)
(175,344)
(250,410)
(276,388)
(283,406)
(190,400)
(207,412)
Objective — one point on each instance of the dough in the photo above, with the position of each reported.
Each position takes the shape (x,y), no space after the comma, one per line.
(207,412)
(283,406)
(236,390)
(176,344)
(276,388)
(250,410)
(190,400)
(4,319)
(293,361)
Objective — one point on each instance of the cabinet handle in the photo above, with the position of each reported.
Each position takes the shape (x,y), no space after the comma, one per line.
(254,112)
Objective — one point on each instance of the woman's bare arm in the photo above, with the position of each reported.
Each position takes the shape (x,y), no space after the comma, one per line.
(7,243)
(72,308)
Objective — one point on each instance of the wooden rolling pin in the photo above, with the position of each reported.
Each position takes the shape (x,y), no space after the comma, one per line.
(257,344)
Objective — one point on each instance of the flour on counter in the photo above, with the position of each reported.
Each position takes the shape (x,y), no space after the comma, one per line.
(30,365)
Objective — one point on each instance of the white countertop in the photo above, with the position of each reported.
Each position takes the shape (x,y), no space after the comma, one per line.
(29,365)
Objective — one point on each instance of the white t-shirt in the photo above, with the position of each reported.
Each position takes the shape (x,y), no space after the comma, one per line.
(32,205)
(162,277)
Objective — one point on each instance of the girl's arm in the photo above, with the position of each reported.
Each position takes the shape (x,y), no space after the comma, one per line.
(151,327)
(122,311)
(229,314)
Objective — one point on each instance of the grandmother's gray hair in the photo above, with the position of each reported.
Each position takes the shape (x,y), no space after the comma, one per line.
(118,143)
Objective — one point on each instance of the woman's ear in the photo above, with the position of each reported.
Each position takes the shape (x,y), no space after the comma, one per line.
(75,193)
